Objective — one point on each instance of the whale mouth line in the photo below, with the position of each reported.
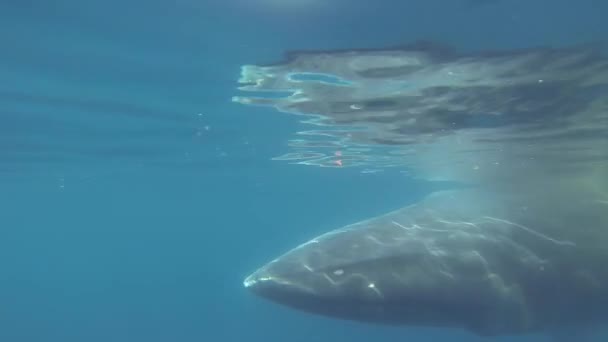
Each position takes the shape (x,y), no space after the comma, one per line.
(255,279)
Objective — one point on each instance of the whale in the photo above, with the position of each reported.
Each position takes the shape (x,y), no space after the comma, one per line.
(519,246)
(458,258)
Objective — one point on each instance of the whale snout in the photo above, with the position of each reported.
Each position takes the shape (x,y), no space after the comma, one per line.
(263,284)
(284,282)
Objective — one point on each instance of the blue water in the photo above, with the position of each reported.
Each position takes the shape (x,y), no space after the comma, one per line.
(136,196)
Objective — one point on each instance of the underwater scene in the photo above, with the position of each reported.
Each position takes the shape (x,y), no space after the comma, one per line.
(304,170)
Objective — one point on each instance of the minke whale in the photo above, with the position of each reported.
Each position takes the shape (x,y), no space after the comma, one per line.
(456,259)
(520,246)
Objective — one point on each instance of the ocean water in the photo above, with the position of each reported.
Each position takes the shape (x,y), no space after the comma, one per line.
(137,196)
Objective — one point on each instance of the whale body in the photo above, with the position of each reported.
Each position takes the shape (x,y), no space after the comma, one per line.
(457,259)
(521,247)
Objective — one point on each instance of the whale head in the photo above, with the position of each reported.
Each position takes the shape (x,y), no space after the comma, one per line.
(376,274)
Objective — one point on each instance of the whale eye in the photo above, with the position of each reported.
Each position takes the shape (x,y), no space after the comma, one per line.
(339,272)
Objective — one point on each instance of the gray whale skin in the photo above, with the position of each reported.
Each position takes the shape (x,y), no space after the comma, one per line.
(467,259)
